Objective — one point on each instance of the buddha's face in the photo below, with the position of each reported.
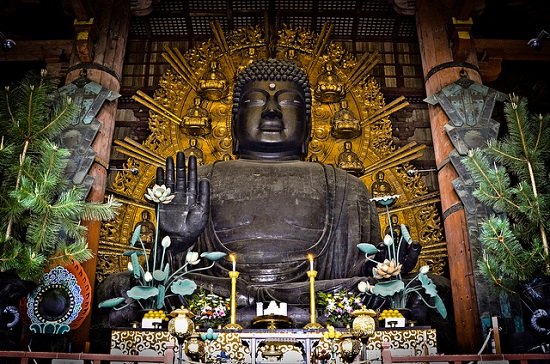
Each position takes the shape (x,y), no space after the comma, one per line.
(271,121)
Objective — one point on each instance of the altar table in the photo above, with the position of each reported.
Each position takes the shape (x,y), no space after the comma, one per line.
(293,345)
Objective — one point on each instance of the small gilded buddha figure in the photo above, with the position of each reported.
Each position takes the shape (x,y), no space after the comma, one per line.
(248,58)
(147,232)
(349,161)
(329,86)
(395,227)
(213,85)
(345,125)
(380,187)
(196,120)
(194,150)
(291,56)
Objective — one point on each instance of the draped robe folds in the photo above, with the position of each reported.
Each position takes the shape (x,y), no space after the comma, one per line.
(271,215)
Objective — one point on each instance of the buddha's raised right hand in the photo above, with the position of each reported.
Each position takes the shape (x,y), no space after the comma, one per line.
(185,217)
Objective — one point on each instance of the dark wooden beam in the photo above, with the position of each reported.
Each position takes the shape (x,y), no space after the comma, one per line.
(512,50)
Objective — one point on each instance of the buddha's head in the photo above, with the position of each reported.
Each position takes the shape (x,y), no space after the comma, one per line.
(271,111)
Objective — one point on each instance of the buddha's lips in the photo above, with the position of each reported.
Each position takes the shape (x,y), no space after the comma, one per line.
(271,125)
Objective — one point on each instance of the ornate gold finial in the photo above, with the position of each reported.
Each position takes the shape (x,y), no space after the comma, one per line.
(196,121)
(330,87)
(213,84)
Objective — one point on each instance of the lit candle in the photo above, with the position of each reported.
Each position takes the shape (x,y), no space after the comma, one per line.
(310,257)
(232,258)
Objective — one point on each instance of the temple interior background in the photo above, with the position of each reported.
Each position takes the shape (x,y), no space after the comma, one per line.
(44,33)
(502,27)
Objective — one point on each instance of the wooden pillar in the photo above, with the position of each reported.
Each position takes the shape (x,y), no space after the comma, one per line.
(113,24)
(440,70)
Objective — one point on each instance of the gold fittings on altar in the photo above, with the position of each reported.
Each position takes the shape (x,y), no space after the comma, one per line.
(181,326)
(233,274)
(312,299)
(363,324)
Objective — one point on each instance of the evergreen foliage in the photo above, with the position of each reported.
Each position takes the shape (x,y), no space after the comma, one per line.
(40,210)
(512,175)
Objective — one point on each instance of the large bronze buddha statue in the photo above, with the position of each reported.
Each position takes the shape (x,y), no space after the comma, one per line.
(269,207)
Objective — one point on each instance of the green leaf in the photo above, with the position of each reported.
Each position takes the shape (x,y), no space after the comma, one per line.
(429,287)
(135,265)
(405,234)
(440,306)
(213,255)
(183,287)
(160,297)
(388,288)
(142,292)
(112,302)
(159,275)
(368,249)
(129,253)
(135,235)
(166,273)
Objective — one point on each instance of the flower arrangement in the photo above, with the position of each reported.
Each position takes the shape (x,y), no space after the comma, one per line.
(155,279)
(339,307)
(388,273)
(210,310)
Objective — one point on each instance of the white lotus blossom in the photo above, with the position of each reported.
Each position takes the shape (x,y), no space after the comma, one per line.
(159,194)
(166,242)
(192,258)
(363,286)
(386,269)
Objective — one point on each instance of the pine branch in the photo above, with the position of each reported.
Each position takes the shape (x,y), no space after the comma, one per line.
(63,117)
(40,211)
(515,245)
(67,253)
(101,211)
(30,264)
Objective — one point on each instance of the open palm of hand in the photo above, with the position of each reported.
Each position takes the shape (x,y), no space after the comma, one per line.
(185,217)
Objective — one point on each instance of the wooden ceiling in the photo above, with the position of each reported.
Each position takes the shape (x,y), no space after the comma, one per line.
(502,27)
(353,19)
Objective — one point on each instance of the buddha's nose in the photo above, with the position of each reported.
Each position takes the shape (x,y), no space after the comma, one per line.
(272,109)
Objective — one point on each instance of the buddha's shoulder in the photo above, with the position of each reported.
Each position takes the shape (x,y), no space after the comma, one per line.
(238,167)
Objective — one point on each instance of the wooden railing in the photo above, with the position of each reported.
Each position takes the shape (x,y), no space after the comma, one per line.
(29,356)
(24,357)
(388,358)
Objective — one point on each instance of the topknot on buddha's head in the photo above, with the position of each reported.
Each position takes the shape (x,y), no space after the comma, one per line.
(272,69)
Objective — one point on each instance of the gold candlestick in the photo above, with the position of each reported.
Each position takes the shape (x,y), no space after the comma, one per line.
(312,310)
(233,325)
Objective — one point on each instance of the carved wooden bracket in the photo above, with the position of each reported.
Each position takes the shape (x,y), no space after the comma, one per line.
(142,7)
(490,64)
(405,7)
(461,38)
(86,34)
